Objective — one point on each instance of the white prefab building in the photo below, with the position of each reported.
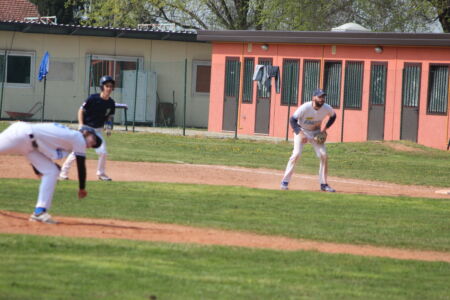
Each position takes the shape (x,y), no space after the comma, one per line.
(158,71)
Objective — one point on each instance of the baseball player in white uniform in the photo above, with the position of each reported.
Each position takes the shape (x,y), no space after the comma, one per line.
(307,123)
(43,143)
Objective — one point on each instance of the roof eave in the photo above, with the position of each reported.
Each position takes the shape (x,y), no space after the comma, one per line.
(97,31)
(327,38)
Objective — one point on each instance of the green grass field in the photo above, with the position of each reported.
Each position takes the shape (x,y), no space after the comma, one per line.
(369,160)
(385,221)
(60,268)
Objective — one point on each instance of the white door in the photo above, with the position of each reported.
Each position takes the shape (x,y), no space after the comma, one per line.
(130,97)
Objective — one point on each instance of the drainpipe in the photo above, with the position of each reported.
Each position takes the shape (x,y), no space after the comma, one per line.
(135,92)
(89,76)
(184,96)
(447,138)
(322,68)
(342,104)
(240,91)
(3,83)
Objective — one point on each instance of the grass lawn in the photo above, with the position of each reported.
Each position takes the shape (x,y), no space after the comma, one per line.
(60,268)
(358,219)
(369,160)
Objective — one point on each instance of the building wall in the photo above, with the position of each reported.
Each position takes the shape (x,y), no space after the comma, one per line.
(64,97)
(351,124)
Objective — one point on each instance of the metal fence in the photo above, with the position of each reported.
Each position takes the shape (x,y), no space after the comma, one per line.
(148,93)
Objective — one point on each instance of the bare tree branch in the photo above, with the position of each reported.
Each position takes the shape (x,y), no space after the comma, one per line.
(227,11)
(228,23)
(167,18)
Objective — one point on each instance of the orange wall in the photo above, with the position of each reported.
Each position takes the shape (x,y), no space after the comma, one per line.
(433,130)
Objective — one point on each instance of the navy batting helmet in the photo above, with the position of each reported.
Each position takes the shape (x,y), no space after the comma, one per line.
(105,79)
(98,140)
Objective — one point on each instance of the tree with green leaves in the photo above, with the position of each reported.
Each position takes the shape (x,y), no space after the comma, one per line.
(322,15)
(442,9)
(309,15)
(306,15)
(394,15)
(114,13)
(210,14)
(65,13)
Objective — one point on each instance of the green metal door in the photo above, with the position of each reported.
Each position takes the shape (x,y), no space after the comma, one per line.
(377,99)
(231,94)
(262,114)
(410,101)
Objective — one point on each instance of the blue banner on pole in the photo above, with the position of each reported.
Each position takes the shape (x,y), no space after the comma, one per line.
(43,68)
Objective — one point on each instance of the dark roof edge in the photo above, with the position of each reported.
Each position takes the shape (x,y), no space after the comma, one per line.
(327,37)
(65,29)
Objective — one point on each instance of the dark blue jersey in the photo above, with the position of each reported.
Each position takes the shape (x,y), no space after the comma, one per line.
(97,110)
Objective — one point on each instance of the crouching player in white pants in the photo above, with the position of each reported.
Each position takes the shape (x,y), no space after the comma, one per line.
(306,123)
(43,143)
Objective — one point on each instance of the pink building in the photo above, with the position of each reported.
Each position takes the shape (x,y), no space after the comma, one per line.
(383,86)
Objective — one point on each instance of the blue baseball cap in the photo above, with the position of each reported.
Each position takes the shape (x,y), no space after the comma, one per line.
(98,139)
(319,93)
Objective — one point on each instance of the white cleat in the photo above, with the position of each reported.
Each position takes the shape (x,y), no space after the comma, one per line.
(62,178)
(104,177)
(43,218)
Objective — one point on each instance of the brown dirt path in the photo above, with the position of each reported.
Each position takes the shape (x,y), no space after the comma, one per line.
(17,223)
(18,167)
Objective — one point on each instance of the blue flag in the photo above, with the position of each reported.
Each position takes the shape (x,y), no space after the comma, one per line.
(43,68)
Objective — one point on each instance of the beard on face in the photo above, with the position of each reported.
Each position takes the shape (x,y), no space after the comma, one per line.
(319,104)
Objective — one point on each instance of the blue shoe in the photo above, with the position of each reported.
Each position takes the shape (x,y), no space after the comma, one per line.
(327,188)
(284,185)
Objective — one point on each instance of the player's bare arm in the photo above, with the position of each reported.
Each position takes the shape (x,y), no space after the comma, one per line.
(297,129)
(81,165)
(330,122)
(80,117)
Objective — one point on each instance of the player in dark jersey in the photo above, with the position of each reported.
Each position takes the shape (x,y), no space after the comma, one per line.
(97,112)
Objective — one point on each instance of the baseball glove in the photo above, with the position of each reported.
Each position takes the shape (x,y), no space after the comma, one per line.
(320,138)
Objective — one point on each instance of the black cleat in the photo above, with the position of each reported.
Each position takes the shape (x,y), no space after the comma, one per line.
(327,188)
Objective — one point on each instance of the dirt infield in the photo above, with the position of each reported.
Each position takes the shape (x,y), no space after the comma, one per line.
(17,223)
(18,167)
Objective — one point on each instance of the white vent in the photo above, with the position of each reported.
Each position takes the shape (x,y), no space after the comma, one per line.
(42,20)
(350,27)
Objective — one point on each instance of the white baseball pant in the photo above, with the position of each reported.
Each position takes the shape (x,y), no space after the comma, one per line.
(321,153)
(101,151)
(16,140)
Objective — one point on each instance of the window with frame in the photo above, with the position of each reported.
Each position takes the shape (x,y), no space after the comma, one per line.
(332,82)
(201,77)
(411,84)
(353,84)
(16,68)
(232,70)
(378,75)
(289,85)
(113,66)
(438,89)
(311,78)
(249,67)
